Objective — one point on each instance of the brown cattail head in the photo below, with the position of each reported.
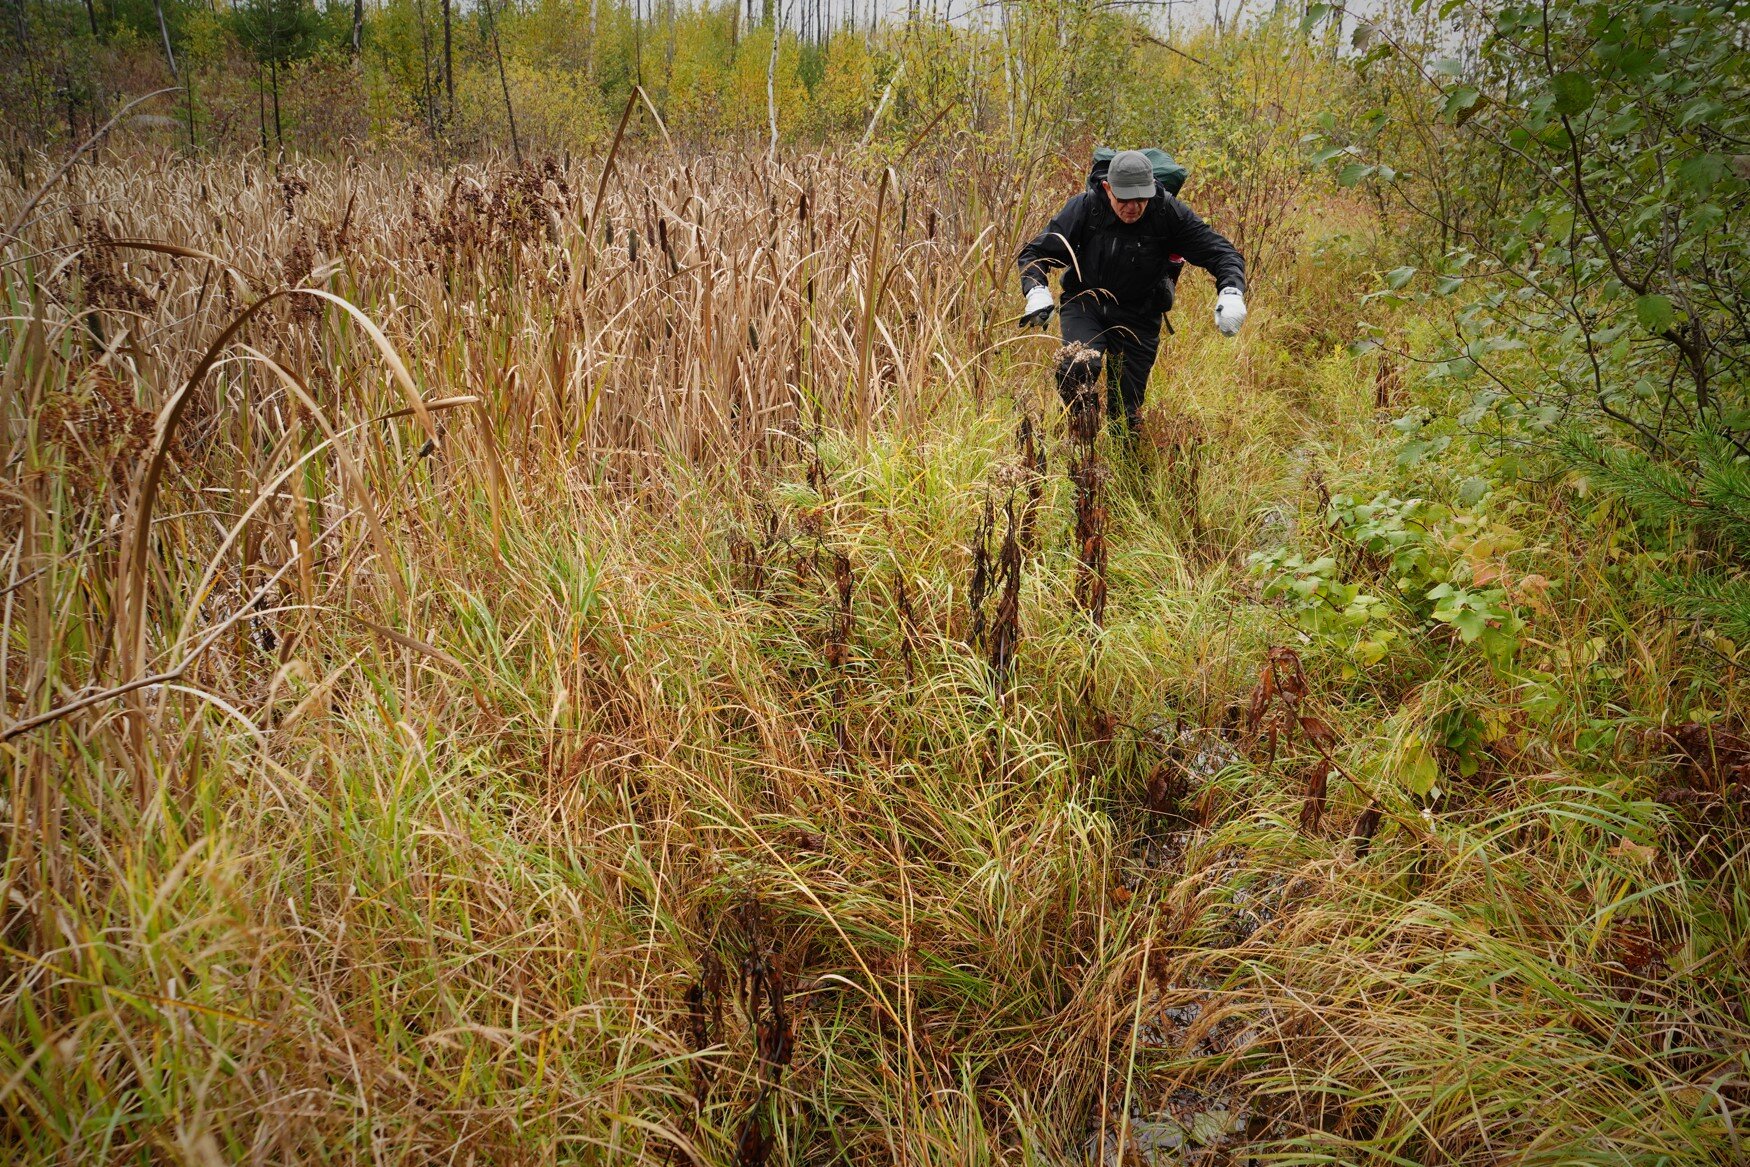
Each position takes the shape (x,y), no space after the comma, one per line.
(839,637)
(1033,470)
(982,574)
(1089,477)
(1005,626)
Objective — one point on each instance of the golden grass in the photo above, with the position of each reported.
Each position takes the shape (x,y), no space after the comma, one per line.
(516,704)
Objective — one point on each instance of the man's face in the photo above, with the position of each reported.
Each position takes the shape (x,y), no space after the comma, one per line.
(1127,210)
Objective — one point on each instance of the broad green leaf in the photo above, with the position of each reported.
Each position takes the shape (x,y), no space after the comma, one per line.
(1655,313)
(1328,153)
(1702,109)
(1314,14)
(1574,92)
(1636,62)
(1460,101)
(1353,173)
(1417,769)
(1700,174)
(1470,623)
(1398,277)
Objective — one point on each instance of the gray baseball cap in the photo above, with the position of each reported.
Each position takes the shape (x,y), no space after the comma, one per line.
(1131,175)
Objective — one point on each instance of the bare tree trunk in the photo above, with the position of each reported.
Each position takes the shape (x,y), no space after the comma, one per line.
(30,67)
(516,147)
(425,72)
(164,31)
(358,27)
(91,15)
(589,58)
(449,70)
(1010,72)
(772,86)
(188,91)
(880,106)
(279,136)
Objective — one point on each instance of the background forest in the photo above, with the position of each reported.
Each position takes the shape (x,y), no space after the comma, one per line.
(550,614)
(287,74)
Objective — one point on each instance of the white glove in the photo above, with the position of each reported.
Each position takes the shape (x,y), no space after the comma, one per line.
(1230,311)
(1039,307)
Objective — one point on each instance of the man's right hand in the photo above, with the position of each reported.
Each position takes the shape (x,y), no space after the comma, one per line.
(1039,305)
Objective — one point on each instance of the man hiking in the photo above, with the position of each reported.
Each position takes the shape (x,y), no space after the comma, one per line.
(1122,243)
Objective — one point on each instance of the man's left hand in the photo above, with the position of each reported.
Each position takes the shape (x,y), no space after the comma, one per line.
(1230,311)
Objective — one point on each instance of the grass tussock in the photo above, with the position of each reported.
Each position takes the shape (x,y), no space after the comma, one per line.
(501,666)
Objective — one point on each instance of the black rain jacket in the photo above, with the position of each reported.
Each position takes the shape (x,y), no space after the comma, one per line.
(1133,264)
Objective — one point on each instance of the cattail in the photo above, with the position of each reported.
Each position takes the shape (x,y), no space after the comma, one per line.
(838,639)
(662,240)
(907,627)
(1033,466)
(1005,628)
(980,586)
(1089,477)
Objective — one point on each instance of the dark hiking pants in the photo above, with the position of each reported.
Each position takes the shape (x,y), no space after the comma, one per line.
(1124,343)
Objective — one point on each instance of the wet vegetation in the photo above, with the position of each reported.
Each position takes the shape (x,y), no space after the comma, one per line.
(606,646)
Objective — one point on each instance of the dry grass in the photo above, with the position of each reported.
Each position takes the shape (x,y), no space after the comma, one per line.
(560,737)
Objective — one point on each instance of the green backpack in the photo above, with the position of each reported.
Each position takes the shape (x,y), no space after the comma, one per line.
(1168,173)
